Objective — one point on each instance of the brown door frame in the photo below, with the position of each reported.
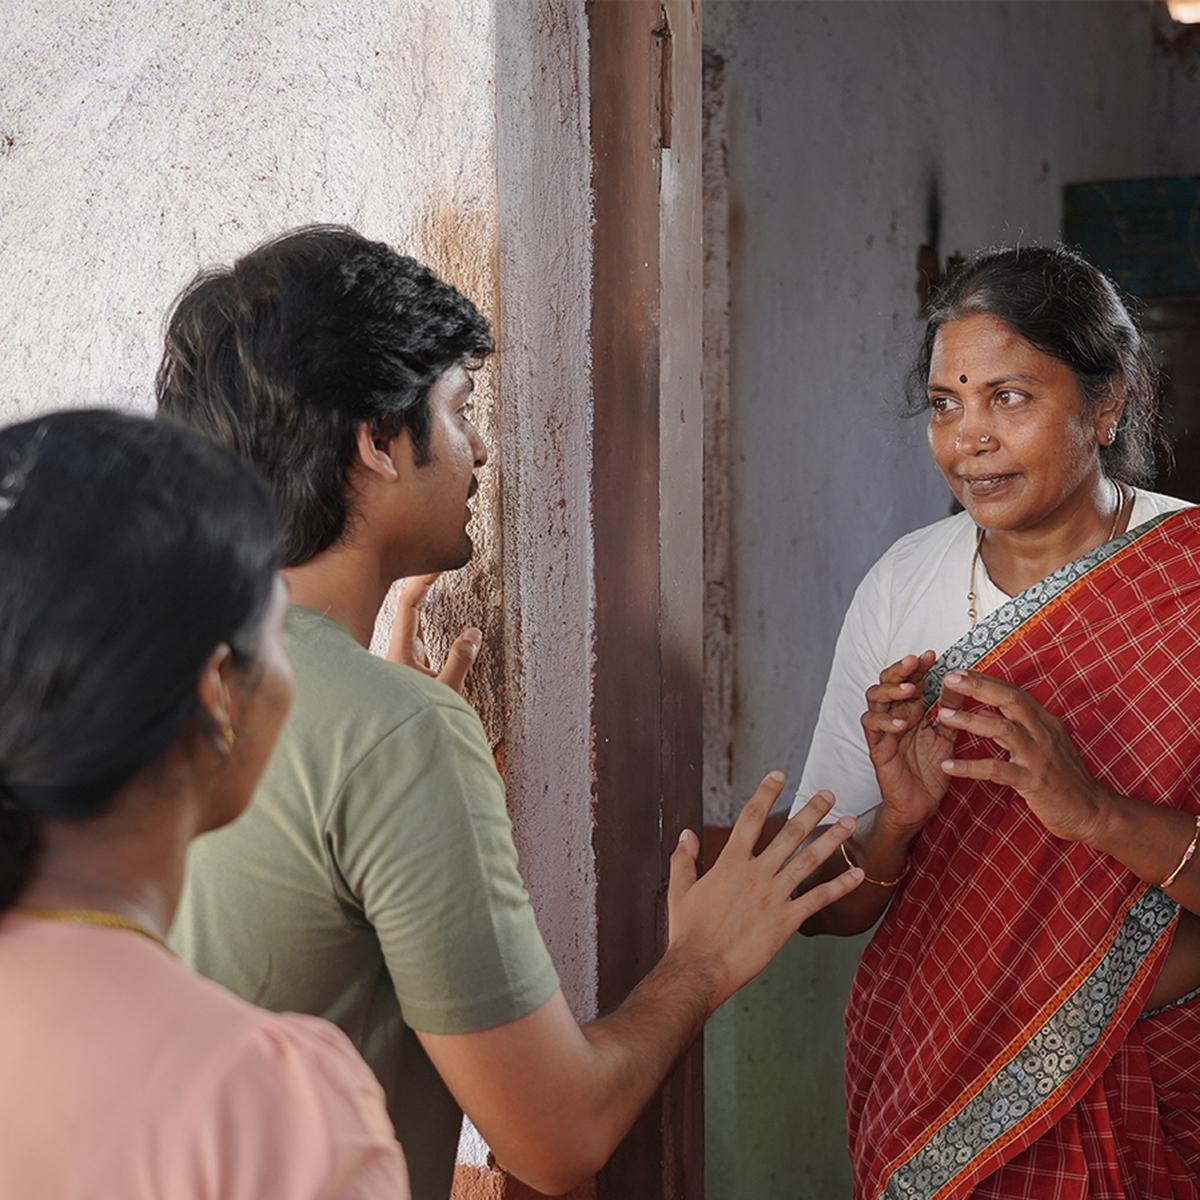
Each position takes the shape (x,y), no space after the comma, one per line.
(647,496)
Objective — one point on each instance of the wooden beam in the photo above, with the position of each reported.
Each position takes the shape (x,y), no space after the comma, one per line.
(647,501)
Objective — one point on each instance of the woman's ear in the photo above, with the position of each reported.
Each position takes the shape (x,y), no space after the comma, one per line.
(1107,417)
(374,454)
(216,696)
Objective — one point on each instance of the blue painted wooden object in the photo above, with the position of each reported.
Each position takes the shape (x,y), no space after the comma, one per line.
(1143,233)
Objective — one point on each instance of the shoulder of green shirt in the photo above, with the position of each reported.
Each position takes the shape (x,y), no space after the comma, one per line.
(351,675)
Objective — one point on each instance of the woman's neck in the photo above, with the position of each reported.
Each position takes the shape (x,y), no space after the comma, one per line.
(1018,558)
(130,861)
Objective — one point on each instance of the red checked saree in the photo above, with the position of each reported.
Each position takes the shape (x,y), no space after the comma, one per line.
(995,1045)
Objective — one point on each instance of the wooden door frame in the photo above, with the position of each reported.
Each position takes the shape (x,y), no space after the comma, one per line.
(647,497)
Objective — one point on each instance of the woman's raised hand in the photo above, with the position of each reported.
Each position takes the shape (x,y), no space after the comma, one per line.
(907,753)
(1042,765)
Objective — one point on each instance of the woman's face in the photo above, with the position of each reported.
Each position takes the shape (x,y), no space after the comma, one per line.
(260,699)
(1008,427)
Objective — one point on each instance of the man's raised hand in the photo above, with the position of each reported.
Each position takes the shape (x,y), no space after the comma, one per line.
(732,921)
(407,647)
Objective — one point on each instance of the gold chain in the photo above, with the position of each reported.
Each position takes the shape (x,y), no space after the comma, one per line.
(972,597)
(89,916)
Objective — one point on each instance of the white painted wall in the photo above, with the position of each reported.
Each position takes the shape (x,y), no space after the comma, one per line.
(150,138)
(840,118)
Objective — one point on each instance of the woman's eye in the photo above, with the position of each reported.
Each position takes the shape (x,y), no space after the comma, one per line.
(941,404)
(1007,399)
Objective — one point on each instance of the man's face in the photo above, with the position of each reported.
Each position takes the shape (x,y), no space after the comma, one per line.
(435,496)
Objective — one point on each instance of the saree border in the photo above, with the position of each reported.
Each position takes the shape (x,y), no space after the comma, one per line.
(1029,608)
(1031,1076)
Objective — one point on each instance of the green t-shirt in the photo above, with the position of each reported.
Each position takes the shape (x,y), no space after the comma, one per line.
(373,881)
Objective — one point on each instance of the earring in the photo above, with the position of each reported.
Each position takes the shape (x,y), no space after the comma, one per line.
(228,735)
(1112,434)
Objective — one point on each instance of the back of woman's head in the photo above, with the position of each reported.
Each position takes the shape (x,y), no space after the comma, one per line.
(129,551)
(1061,304)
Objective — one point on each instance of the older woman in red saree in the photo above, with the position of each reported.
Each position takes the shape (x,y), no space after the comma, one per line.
(1002,1036)
(1026,1020)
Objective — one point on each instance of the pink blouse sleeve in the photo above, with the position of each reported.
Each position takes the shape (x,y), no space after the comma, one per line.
(294,1115)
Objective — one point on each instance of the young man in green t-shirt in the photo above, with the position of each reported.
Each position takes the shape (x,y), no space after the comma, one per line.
(374,881)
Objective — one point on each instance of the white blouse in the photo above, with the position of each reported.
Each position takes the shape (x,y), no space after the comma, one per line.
(913,599)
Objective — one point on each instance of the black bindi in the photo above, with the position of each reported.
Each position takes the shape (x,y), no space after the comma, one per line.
(962,379)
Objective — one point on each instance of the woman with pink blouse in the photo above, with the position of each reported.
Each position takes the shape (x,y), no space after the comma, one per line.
(142,686)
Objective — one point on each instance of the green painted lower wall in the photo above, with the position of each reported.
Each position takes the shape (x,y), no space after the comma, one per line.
(774,1122)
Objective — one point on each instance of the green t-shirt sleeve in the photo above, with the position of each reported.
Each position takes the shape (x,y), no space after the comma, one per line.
(422,839)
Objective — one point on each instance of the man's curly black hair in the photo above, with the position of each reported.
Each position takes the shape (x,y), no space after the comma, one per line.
(282,356)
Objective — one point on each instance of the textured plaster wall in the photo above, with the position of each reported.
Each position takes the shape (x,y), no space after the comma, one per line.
(842,123)
(143,139)
(544,157)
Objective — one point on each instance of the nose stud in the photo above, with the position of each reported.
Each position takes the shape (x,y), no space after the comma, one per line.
(984,438)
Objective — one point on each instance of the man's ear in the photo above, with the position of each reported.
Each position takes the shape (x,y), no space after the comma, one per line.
(375,454)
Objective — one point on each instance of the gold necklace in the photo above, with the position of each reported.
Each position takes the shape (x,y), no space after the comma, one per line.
(972,597)
(89,916)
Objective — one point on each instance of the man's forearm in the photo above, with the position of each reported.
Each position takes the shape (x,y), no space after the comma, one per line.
(635,1047)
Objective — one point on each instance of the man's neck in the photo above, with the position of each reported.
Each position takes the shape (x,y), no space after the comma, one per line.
(347,584)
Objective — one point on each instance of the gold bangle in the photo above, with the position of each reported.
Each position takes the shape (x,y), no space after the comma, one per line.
(889,883)
(1187,858)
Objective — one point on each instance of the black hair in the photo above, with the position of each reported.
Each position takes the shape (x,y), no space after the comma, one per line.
(130,550)
(1061,304)
(281,357)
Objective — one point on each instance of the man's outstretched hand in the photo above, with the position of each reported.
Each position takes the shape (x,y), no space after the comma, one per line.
(407,648)
(732,921)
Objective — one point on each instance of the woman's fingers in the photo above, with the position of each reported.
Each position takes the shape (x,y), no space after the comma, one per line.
(991,725)
(1018,706)
(911,668)
(885,722)
(900,670)
(879,694)
(901,681)
(995,770)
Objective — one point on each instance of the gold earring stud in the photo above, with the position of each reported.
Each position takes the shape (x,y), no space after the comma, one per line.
(228,736)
